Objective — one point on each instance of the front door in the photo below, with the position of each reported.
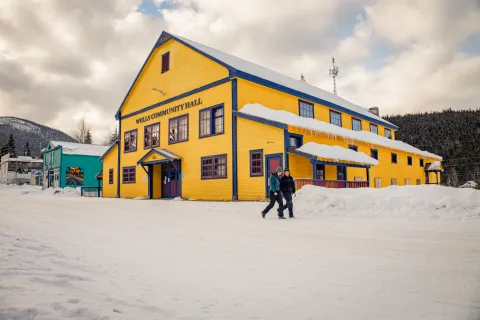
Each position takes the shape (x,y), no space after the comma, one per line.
(170,183)
(341,173)
(273,161)
(320,172)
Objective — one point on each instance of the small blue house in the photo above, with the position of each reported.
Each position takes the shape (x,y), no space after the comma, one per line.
(68,164)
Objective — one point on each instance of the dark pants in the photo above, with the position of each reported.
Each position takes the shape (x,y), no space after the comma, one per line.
(275,198)
(288,198)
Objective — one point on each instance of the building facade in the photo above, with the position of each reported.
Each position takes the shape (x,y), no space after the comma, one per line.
(203,124)
(18,170)
(67,164)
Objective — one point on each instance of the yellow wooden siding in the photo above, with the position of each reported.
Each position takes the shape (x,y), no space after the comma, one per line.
(189,70)
(300,167)
(110,162)
(190,151)
(253,136)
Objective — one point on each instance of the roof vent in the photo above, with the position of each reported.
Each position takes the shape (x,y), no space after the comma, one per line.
(374,110)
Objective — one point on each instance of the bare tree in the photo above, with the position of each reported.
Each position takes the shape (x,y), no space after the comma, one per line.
(80,131)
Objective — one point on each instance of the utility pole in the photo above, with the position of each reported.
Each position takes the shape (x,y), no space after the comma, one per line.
(334,74)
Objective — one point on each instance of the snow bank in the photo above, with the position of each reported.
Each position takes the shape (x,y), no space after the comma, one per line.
(469,184)
(336,153)
(428,201)
(292,119)
(37,190)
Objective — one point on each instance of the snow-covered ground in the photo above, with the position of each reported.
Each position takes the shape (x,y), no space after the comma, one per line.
(394,253)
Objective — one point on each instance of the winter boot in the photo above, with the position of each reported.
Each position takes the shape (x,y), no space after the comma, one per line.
(263,214)
(281,217)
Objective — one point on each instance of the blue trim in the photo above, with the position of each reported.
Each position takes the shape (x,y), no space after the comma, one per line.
(299,136)
(341,120)
(310,104)
(409,161)
(374,126)
(353,147)
(313,159)
(150,181)
(234,140)
(261,120)
(396,158)
(268,172)
(286,145)
(213,165)
(261,159)
(159,152)
(212,120)
(119,141)
(117,114)
(372,151)
(368,177)
(108,150)
(179,169)
(302,95)
(135,177)
(60,184)
(145,128)
(163,55)
(314,170)
(355,119)
(186,115)
(180,96)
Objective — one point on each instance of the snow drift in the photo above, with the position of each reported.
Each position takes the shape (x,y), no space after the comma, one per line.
(428,201)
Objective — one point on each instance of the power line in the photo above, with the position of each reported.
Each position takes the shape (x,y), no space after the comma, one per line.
(461,158)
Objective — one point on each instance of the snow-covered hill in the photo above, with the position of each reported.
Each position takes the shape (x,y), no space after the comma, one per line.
(25,131)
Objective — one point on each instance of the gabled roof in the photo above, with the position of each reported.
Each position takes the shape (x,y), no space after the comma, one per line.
(108,150)
(250,71)
(79,148)
(164,154)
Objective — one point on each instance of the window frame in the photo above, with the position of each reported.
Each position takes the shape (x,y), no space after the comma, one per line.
(353,147)
(134,174)
(338,113)
(258,174)
(385,133)
(300,109)
(136,140)
(410,161)
(422,163)
(213,177)
(295,136)
(110,176)
(359,121)
(371,153)
(211,111)
(396,158)
(166,54)
(392,180)
(144,128)
(373,125)
(170,128)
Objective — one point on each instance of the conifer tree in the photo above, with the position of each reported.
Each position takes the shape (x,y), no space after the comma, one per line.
(88,137)
(113,137)
(11,146)
(27,152)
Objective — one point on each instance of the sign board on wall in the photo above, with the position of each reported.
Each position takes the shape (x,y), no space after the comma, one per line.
(74,176)
(174,109)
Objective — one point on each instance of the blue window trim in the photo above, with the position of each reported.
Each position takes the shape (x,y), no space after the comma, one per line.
(372,151)
(267,175)
(410,161)
(136,140)
(144,128)
(119,143)
(353,147)
(224,155)
(234,140)
(341,120)
(356,119)
(396,158)
(422,163)
(294,135)
(110,171)
(168,67)
(374,126)
(261,160)
(385,133)
(308,103)
(134,177)
(212,121)
(188,128)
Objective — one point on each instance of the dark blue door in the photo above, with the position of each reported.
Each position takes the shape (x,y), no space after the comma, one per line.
(273,161)
(170,183)
(341,173)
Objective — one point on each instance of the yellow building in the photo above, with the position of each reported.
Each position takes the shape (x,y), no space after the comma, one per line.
(199,123)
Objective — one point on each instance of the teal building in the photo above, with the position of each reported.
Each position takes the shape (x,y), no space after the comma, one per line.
(68,164)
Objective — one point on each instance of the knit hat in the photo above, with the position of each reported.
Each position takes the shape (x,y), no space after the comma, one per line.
(279,170)
(286,169)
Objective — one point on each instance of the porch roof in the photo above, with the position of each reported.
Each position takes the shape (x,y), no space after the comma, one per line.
(334,154)
(158,156)
(434,166)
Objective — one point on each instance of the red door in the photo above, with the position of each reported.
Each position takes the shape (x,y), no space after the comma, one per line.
(273,161)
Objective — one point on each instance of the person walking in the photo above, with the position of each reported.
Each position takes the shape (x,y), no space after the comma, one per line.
(287,187)
(275,195)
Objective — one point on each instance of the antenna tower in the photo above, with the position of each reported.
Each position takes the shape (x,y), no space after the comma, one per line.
(334,74)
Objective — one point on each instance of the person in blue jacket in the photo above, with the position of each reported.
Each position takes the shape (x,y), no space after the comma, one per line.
(275,194)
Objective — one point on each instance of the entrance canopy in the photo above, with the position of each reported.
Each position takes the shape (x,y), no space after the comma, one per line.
(334,155)
(158,156)
(435,166)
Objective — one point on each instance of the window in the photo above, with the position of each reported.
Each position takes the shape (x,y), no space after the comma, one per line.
(378,182)
(129,175)
(419,182)
(152,136)
(211,121)
(394,181)
(374,153)
(407,181)
(353,147)
(165,62)
(422,164)
(388,133)
(409,160)
(110,176)
(295,141)
(256,163)
(178,129)
(373,128)
(305,109)
(130,140)
(214,167)
(356,124)
(394,158)
(335,118)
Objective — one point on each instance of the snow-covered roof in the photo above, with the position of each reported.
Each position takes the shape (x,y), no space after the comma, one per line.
(336,154)
(292,119)
(278,78)
(25,159)
(434,166)
(80,148)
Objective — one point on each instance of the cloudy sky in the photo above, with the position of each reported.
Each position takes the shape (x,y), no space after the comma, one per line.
(61,60)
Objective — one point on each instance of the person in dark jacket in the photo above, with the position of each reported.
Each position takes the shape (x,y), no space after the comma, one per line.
(275,194)
(287,186)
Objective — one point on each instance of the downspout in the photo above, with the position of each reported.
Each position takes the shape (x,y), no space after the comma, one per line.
(119,139)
